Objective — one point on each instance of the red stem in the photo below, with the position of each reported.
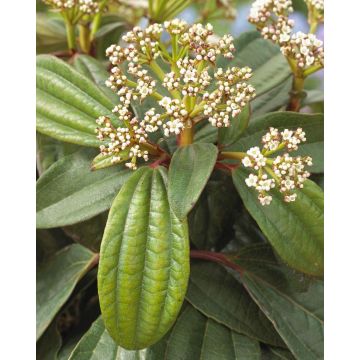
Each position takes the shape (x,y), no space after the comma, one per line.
(215,257)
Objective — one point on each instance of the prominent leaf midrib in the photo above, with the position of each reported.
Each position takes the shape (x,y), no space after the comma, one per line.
(140,181)
(283,295)
(168,274)
(289,327)
(72,129)
(145,258)
(108,106)
(253,336)
(203,339)
(78,127)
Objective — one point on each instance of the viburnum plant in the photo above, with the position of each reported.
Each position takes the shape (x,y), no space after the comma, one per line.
(209,157)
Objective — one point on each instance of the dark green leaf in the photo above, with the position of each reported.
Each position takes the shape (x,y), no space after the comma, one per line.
(69,192)
(89,232)
(295,230)
(211,219)
(312,124)
(190,169)
(49,344)
(56,279)
(215,292)
(68,103)
(144,262)
(292,302)
(196,337)
(98,344)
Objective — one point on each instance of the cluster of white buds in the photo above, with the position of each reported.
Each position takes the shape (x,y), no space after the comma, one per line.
(191,79)
(284,172)
(60,4)
(186,91)
(271,18)
(88,7)
(317,4)
(123,142)
(232,95)
(200,41)
(305,49)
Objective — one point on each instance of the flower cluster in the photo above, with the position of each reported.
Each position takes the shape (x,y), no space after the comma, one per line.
(284,172)
(122,138)
(88,7)
(316,10)
(271,17)
(182,92)
(305,49)
(60,4)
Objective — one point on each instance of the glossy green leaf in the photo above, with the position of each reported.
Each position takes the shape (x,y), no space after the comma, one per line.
(95,71)
(195,336)
(215,293)
(69,192)
(292,302)
(68,103)
(312,124)
(295,230)
(189,171)
(56,279)
(238,125)
(144,262)
(269,66)
(49,344)
(98,344)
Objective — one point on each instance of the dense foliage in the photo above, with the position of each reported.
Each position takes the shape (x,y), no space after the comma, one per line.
(180,175)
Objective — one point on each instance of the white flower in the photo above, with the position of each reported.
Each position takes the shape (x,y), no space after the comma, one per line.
(252,180)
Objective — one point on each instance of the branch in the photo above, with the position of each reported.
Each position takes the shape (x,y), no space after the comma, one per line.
(215,257)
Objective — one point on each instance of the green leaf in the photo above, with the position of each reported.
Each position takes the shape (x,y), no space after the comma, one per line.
(195,336)
(89,232)
(312,124)
(49,150)
(98,344)
(295,230)
(293,303)
(50,34)
(56,279)
(211,219)
(215,293)
(69,192)
(238,125)
(95,71)
(144,262)
(273,353)
(189,171)
(68,103)
(269,65)
(272,100)
(104,161)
